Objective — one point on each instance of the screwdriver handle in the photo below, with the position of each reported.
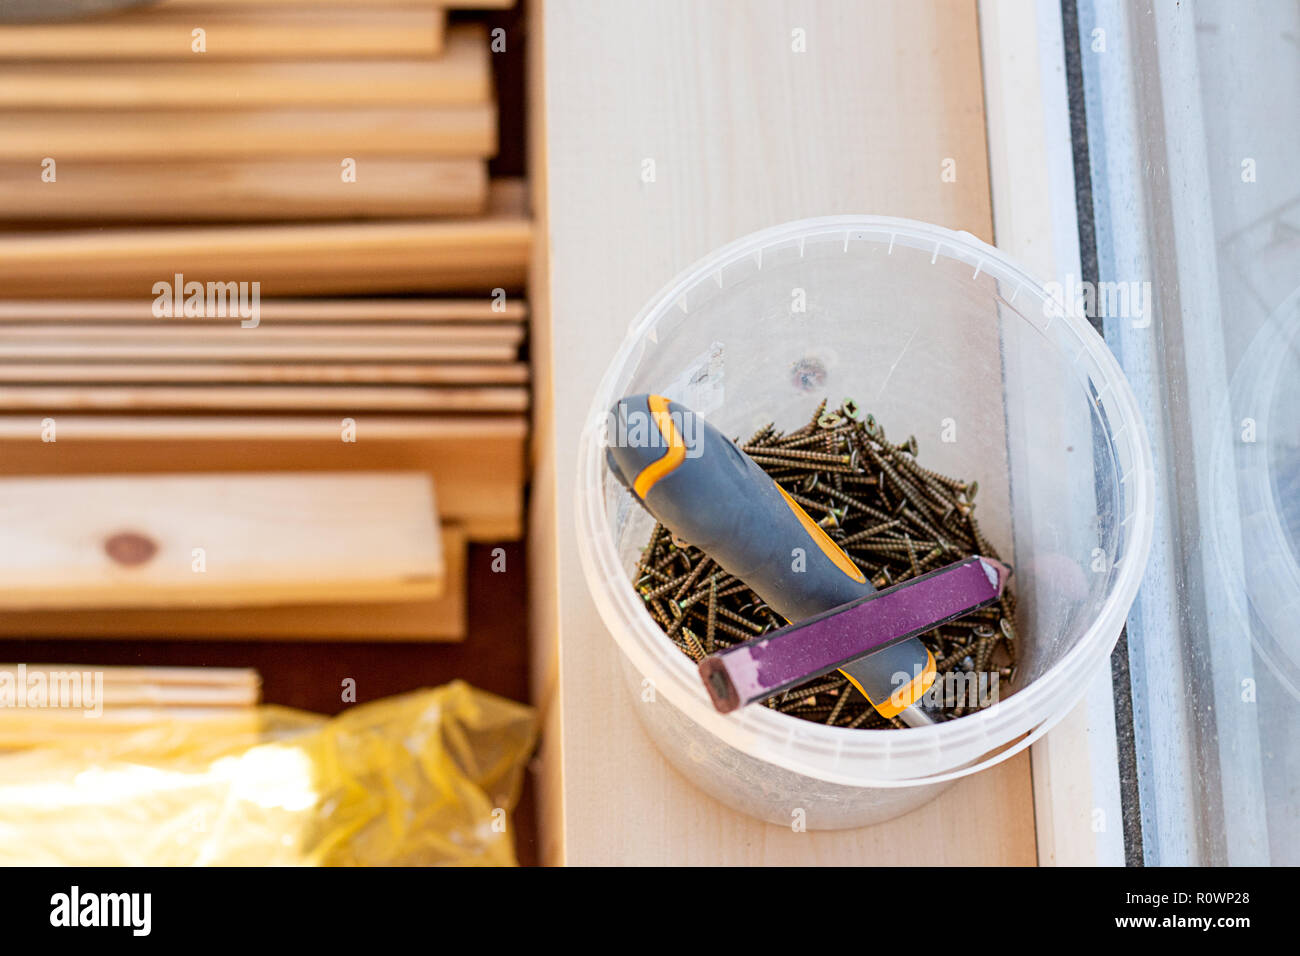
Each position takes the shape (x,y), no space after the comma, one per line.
(706,490)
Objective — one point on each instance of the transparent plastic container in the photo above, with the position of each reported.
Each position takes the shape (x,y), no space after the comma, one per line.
(939,335)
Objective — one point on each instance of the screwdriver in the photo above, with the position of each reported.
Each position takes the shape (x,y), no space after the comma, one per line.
(705,490)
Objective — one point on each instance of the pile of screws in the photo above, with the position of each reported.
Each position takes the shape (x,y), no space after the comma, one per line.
(894,518)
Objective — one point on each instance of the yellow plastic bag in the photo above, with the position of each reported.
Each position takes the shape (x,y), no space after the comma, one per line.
(425,778)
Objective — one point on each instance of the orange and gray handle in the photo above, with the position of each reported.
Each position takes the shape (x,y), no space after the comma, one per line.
(704,489)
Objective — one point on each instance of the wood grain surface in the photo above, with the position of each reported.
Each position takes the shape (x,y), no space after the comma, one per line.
(265,539)
(239,33)
(426,255)
(745,133)
(460,75)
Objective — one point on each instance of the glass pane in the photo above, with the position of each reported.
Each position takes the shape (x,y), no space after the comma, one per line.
(1193,127)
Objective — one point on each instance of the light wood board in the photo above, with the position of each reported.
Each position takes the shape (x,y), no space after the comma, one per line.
(130,541)
(350,399)
(500,373)
(435,255)
(77,136)
(460,75)
(244,4)
(476,461)
(485,309)
(179,330)
(115,697)
(254,350)
(244,190)
(440,619)
(238,34)
(745,133)
(159,687)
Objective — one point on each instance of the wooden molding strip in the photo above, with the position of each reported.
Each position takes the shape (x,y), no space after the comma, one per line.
(286,259)
(276,429)
(461,75)
(233,34)
(176,332)
(246,190)
(497,373)
(76,136)
(269,351)
(52,399)
(483,309)
(244,4)
(237,677)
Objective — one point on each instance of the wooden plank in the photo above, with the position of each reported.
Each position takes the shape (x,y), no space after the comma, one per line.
(351,399)
(69,730)
(461,75)
(484,309)
(503,373)
(145,686)
(175,331)
(119,696)
(160,136)
(251,351)
(477,463)
(235,34)
(246,190)
(289,260)
(110,430)
(911,79)
(544,620)
(240,4)
(174,340)
(441,619)
(129,541)
(230,677)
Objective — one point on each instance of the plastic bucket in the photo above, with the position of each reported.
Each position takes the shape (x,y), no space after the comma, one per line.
(939,335)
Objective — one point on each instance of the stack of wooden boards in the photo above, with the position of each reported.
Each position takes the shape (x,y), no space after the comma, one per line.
(335,153)
(119,118)
(339,355)
(303,113)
